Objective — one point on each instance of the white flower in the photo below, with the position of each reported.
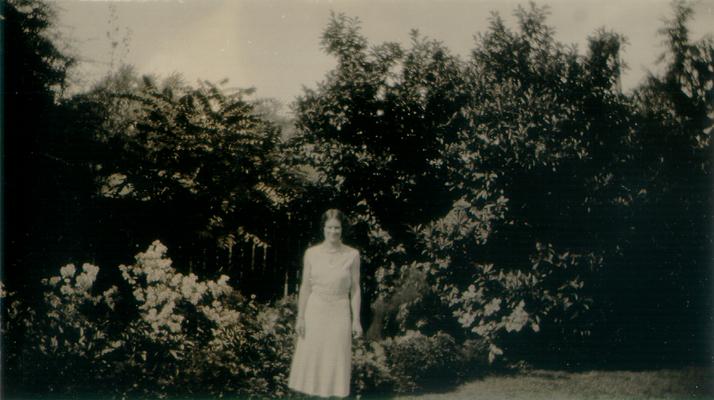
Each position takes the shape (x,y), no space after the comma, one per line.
(139,295)
(90,270)
(66,290)
(152,315)
(174,327)
(68,271)
(125,274)
(492,307)
(164,263)
(483,329)
(466,319)
(55,302)
(518,318)
(109,296)
(219,288)
(155,275)
(158,247)
(213,288)
(151,296)
(176,280)
(493,352)
(85,281)
(163,295)
(167,309)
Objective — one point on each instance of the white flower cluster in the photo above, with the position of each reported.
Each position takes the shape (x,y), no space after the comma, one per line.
(67,295)
(517,319)
(77,287)
(159,289)
(479,309)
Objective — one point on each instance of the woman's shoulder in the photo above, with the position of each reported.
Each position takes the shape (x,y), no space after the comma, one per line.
(312,249)
(351,250)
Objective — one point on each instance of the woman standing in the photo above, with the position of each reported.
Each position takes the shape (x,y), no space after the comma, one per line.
(328,306)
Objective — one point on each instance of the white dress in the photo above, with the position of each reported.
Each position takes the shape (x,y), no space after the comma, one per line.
(322,362)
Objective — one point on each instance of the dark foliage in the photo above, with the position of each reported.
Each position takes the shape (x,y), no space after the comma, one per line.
(516,202)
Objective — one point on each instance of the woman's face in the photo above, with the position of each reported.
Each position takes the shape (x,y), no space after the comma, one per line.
(333,230)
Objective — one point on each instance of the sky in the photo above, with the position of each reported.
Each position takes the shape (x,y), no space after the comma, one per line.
(274,45)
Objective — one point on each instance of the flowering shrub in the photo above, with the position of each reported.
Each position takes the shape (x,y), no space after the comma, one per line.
(163,334)
(500,302)
(409,363)
(176,315)
(490,300)
(250,358)
(419,362)
(371,374)
(70,337)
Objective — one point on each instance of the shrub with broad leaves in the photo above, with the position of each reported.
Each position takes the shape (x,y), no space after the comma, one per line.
(418,362)
(371,373)
(70,337)
(162,333)
(411,363)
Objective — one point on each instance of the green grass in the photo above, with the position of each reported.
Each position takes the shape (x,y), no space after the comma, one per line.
(687,383)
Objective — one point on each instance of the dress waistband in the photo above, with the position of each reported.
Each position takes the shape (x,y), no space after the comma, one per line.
(331,294)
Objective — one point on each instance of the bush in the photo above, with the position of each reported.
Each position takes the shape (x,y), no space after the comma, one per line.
(371,373)
(69,338)
(420,362)
(172,318)
(251,359)
(161,334)
(413,362)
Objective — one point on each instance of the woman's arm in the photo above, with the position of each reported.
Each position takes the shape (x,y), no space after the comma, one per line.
(305,290)
(356,298)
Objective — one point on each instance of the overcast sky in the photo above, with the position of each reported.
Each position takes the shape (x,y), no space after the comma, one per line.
(274,45)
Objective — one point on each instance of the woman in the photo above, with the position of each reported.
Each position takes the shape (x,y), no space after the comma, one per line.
(328,305)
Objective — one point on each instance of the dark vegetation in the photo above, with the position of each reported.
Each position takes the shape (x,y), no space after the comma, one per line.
(514,208)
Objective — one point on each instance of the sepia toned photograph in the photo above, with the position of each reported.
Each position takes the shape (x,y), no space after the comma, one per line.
(363,199)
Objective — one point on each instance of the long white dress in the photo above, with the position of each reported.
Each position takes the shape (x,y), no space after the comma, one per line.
(322,362)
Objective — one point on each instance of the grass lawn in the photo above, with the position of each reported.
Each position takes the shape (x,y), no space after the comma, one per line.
(687,383)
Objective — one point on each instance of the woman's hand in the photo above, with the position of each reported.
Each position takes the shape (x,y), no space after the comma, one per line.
(300,327)
(356,329)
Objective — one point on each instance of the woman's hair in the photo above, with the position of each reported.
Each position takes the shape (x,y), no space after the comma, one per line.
(334,213)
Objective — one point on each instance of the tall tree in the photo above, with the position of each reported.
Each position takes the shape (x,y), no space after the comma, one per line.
(521,248)
(374,130)
(666,264)
(196,167)
(45,183)
(375,134)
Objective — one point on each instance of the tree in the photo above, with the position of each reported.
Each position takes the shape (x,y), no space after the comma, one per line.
(522,246)
(374,130)
(490,180)
(45,182)
(665,263)
(195,167)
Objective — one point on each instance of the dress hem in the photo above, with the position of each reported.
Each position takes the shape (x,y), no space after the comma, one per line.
(325,396)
